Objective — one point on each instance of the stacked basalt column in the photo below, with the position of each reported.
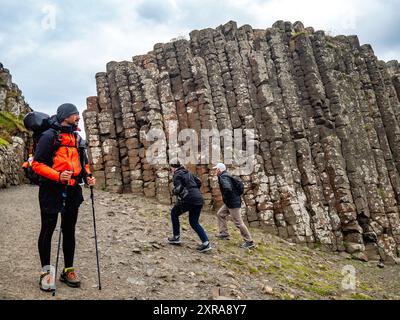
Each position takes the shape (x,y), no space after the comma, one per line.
(94,142)
(324,114)
(137,118)
(168,109)
(104,154)
(316,145)
(150,79)
(264,113)
(389,139)
(394,73)
(242,100)
(146,111)
(120,99)
(207,82)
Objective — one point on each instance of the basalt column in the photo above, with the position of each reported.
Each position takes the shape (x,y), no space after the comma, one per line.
(322,112)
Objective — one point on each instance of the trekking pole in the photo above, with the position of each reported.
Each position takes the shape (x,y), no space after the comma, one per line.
(95,234)
(64,197)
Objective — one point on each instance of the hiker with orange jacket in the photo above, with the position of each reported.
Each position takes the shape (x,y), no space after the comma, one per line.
(61,170)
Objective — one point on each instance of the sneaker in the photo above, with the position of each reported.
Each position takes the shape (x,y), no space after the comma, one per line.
(222,236)
(174,240)
(203,247)
(45,282)
(70,278)
(248,245)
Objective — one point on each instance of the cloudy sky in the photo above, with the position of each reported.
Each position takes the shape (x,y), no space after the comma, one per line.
(54,48)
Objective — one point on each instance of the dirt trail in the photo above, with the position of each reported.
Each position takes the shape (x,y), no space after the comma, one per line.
(137,263)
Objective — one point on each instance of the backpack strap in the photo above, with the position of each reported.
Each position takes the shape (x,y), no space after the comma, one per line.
(57,142)
(78,139)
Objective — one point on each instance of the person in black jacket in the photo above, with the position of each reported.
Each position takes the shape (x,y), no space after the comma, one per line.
(58,163)
(186,188)
(232,204)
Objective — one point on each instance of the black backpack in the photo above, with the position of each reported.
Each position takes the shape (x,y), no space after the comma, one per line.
(237,185)
(37,122)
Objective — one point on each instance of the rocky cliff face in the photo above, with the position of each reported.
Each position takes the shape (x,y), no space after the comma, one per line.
(11,98)
(13,137)
(325,112)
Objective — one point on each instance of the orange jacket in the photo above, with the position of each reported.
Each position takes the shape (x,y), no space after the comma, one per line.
(50,164)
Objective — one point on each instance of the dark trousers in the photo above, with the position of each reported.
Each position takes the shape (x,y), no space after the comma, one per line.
(51,204)
(194,215)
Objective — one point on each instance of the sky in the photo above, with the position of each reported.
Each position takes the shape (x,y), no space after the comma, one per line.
(53,49)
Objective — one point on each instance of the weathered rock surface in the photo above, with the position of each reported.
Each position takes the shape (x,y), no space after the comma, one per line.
(11,98)
(326,117)
(13,153)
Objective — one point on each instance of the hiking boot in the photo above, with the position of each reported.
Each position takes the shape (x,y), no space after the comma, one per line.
(174,240)
(222,236)
(70,278)
(204,247)
(247,245)
(45,282)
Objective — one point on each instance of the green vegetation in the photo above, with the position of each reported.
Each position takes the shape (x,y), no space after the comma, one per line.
(292,41)
(296,34)
(317,245)
(12,94)
(331,45)
(361,296)
(3,142)
(10,125)
(297,272)
(381,192)
(368,127)
(331,42)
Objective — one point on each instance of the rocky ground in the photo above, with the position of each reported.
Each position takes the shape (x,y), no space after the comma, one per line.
(137,263)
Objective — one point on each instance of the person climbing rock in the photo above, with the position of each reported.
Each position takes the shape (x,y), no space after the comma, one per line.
(190,199)
(61,168)
(231,190)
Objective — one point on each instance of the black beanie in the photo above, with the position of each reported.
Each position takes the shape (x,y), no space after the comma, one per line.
(65,110)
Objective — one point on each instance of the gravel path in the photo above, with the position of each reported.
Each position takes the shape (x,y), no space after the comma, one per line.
(137,263)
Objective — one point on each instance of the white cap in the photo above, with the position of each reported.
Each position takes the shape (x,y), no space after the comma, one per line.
(220,166)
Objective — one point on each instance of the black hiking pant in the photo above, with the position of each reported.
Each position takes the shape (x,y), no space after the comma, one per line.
(51,204)
(194,216)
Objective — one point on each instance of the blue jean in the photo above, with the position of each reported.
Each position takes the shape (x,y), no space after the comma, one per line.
(194,215)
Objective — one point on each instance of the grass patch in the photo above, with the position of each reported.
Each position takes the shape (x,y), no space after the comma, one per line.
(381,192)
(309,273)
(253,269)
(293,37)
(297,34)
(361,296)
(10,125)
(12,94)
(331,45)
(321,289)
(3,142)
(368,127)
(317,245)
(364,286)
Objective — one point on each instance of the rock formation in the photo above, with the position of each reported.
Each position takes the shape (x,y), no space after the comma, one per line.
(13,141)
(325,112)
